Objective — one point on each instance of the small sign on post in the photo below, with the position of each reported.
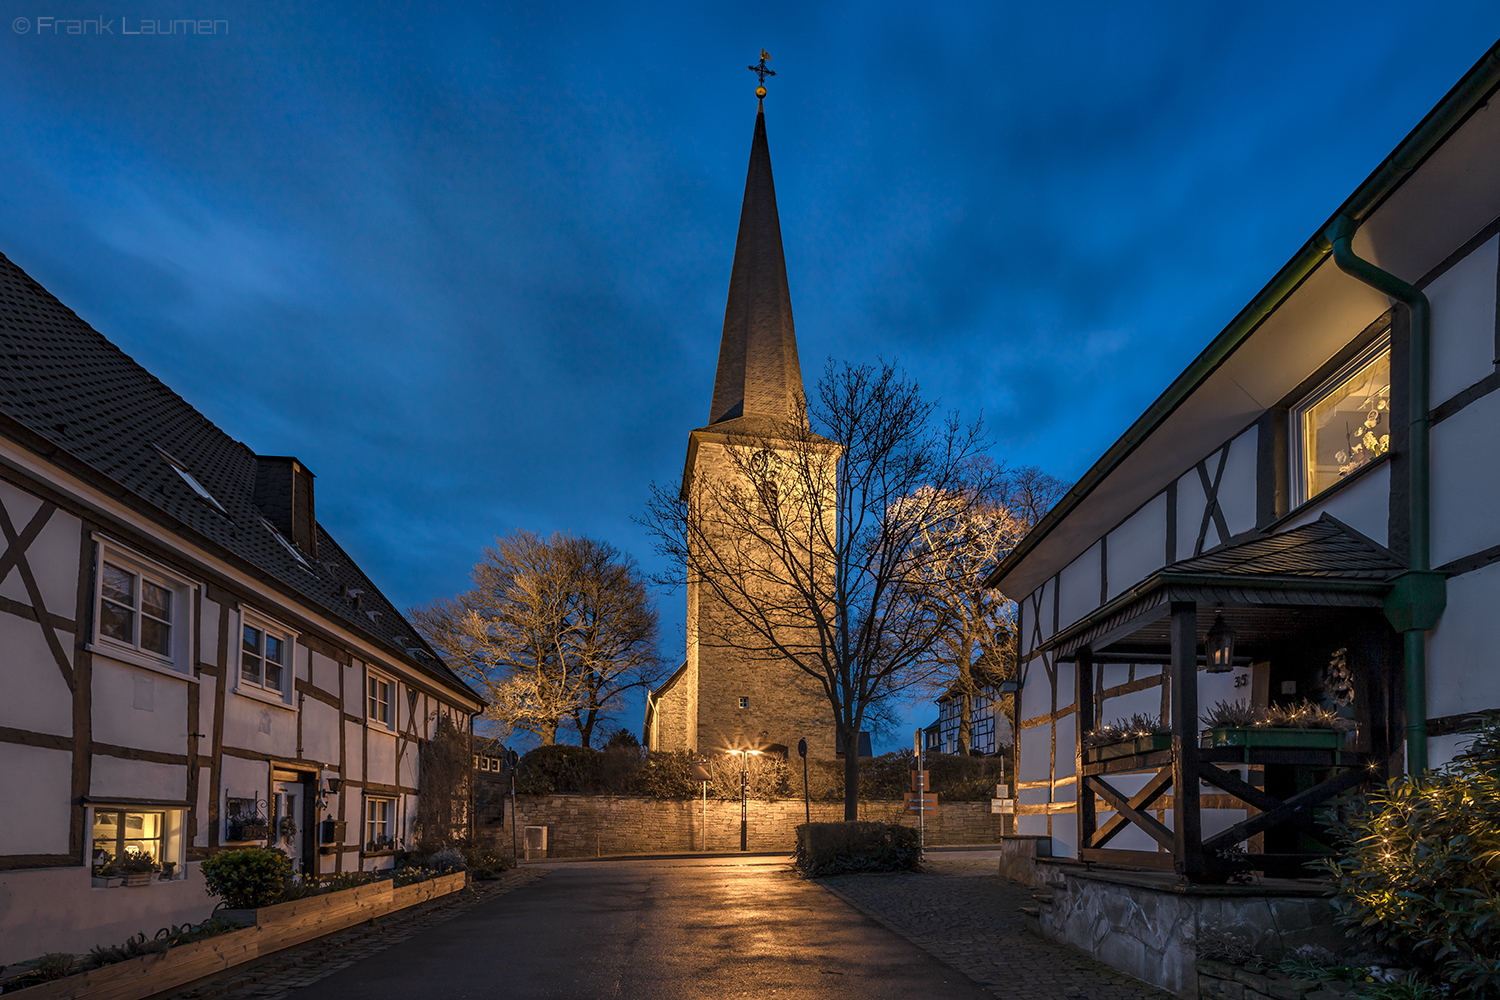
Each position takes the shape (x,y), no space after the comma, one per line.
(928,802)
(920,782)
(1002,807)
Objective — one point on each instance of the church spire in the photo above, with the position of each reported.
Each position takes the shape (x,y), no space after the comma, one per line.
(758,374)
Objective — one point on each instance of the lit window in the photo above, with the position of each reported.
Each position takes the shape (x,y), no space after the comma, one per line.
(378,827)
(744,703)
(122,835)
(142,614)
(265,655)
(1344,425)
(380,701)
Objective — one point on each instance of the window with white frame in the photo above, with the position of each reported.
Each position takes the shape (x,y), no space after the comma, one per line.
(1344,424)
(142,611)
(266,650)
(380,830)
(381,708)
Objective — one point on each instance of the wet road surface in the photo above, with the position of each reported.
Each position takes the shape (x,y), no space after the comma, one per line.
(668,929)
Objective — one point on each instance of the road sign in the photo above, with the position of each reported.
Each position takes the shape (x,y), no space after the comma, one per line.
(929,803)
(926,784)
(1003,807)
(1002,791)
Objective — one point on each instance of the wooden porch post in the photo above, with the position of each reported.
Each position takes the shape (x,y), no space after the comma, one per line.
(1187,828)
(1084,691)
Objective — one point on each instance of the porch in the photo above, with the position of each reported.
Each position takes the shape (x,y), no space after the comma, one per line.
(1281,605)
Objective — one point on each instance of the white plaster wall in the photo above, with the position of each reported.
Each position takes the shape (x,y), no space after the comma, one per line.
(208,632)
(1138,547)
(200,835)
(354,688)
(206,692)
(1113,675)
(242,779)
(53,559)
(1065,834)
(320,731)
(1190,503)
(1079,587)
(1031,826)
(1237,490)
(1463,322)
(35,785)
(1465,482)
(1035,754)
(410,762)
(382,766)
(1147,702)
(140,708)
(1036,690)
(114,777)
(1221,687)
(1067,683)
(1462,675)
(325,672)
(1364,506)
(1044,609)
(56,909)
(35,696)
(1067,747)
(252,724)
(354,749)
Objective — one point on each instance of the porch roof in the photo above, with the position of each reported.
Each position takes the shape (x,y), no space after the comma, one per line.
(1313,571)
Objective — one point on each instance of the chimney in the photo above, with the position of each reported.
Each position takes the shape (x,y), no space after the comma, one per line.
(284,494)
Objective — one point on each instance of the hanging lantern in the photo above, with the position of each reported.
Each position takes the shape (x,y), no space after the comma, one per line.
(1219,646)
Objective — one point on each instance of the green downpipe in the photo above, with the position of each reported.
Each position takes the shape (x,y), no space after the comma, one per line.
(1417,596)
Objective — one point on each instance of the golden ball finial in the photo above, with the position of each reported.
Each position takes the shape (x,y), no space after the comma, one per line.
(760,92)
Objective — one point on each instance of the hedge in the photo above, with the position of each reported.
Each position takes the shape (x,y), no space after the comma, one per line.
(835,848)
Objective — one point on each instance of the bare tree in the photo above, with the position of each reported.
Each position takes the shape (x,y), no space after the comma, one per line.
(976,643)
(801,546)
(555,630)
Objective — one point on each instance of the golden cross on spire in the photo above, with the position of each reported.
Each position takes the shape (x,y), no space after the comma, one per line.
(762,72)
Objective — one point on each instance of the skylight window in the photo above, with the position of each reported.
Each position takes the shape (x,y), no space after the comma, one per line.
(286,544)
(193,483)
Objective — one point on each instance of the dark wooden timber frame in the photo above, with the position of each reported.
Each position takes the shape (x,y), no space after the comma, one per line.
(1187,766)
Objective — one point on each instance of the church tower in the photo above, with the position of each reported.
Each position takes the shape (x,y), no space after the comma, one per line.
(721,699)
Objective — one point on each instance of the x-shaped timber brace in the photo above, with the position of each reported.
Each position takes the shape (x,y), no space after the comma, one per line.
(1183,767)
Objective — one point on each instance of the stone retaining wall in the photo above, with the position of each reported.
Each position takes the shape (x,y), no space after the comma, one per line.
(1220,979)
(596,825)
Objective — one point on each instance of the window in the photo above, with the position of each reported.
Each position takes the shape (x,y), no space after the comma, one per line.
(136,831)
(379,831)
(265,654)
(1344,425)
(142,613)
(193,483)
(379,710)
(744,703)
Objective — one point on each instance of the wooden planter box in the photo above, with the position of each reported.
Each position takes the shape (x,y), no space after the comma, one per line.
(267,930)
(1264,736)
(1128,748)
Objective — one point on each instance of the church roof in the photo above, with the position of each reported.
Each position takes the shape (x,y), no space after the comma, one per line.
(758,374)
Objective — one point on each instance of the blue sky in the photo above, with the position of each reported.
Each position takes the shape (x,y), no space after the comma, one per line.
(469,262)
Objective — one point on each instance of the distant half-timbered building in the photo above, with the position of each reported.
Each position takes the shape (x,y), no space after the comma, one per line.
(1319,484)
(188,660)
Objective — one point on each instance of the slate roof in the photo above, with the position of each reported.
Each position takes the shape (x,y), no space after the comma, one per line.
(1326,548)
(759,374)
(64,381)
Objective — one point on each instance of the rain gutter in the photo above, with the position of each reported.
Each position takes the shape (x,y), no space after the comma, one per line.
(1418,596)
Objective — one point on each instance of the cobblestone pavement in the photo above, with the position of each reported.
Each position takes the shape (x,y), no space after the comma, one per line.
(961,911)
(276,976)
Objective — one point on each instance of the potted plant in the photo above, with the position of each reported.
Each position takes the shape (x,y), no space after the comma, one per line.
(1138,734)
(1303,726)
(136,866)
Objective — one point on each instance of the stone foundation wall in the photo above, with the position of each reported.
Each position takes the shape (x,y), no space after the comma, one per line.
(596,825)
(1151,931)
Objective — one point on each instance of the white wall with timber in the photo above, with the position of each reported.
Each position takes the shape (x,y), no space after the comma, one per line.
(179,735)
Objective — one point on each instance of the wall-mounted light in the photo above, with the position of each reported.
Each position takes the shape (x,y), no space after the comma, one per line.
(1219,646)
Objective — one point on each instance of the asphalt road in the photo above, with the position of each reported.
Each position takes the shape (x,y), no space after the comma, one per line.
(656,929)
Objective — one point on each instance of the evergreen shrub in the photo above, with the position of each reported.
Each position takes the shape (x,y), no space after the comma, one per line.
(1420,871)
(248,877)
(835,848)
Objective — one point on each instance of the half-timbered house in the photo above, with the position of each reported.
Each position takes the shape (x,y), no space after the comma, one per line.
(1317,487)
(188,660)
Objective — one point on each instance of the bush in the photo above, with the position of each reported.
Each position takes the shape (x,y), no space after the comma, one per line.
(834,848)
(447,860)
(559,768)
(54,965)
(248,877)
(1420,872)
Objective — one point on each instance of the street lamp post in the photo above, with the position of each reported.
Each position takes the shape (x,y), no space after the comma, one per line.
(806,792)
(744,800)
